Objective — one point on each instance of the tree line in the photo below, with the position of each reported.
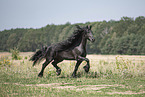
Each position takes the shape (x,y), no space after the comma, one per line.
(125,36)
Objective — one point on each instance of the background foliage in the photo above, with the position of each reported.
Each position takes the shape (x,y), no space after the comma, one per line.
(126,36)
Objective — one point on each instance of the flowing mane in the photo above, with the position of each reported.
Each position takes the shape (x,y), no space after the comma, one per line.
(71,42)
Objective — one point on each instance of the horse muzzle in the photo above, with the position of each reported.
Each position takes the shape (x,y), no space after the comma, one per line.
(92,39)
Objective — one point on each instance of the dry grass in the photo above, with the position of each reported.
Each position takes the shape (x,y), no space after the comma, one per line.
(117,75)
(101,65)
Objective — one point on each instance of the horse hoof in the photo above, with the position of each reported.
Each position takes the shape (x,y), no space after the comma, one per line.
(86,68)
(73,76)
(58,72)
(40,75)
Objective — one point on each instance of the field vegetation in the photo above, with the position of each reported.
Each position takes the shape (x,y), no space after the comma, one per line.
(110,75)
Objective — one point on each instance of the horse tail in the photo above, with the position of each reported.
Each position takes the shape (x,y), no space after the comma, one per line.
(39,55)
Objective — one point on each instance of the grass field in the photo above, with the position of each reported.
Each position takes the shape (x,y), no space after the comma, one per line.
(110,75)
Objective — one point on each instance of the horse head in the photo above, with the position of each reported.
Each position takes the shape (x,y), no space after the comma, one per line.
(89,33)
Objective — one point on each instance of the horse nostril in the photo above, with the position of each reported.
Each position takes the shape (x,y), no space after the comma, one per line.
(93,40)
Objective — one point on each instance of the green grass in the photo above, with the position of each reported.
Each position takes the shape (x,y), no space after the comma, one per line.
(118,76)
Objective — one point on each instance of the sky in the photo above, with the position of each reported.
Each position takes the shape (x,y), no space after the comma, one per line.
(39,13)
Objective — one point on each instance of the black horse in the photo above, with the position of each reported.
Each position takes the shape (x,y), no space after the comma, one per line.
(74,48)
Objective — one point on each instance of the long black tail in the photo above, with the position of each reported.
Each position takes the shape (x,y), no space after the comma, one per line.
(39,55)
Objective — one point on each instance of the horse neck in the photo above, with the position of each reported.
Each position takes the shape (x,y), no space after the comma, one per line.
(83,42)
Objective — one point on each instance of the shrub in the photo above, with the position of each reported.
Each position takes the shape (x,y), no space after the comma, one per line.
(15,54)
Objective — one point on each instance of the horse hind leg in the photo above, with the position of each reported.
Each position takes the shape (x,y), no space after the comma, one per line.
(43,67)
(58,70)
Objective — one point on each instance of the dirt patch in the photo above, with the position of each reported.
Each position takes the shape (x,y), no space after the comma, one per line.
(103,85)
(70,86)
(90,88)
(65,87)
(83,87)
(126,92)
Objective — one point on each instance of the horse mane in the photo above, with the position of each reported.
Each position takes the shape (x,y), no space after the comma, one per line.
(72,41)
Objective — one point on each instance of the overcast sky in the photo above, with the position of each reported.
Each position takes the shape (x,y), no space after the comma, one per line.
(39,13)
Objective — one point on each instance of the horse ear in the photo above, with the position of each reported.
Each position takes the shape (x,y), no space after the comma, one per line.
(89,27)
(78,26)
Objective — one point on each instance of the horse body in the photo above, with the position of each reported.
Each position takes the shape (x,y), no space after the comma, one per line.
(74,48)
(72,53)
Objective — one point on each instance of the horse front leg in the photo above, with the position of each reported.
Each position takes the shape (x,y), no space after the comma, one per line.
(87,66)
(76,68)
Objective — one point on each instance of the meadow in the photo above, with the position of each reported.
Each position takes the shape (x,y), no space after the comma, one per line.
(109,75)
